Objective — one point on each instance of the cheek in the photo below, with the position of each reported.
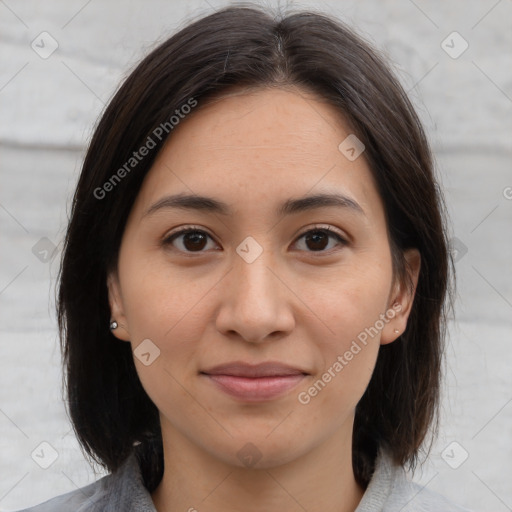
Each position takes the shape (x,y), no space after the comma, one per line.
(169,311)
(351,312)
(159,299)
(350,301)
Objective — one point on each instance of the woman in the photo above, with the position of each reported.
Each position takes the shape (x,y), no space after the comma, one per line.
(255,277)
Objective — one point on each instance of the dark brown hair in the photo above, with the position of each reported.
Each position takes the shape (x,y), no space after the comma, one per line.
(247,46)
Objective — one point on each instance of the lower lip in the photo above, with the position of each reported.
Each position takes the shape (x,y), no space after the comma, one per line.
(255,389)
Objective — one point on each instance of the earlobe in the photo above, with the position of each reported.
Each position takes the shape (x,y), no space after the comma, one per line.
(402,299)
(118,325)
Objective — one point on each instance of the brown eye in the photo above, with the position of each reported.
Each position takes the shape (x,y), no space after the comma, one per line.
(192,240)
(317,240)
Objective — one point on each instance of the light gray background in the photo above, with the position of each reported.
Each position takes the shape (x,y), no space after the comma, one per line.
(48,109)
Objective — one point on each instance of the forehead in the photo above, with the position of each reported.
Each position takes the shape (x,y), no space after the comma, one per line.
(251,147)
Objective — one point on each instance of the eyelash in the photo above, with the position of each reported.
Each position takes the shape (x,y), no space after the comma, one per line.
(192,229)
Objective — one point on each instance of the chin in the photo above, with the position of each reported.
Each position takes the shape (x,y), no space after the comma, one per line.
(261,450)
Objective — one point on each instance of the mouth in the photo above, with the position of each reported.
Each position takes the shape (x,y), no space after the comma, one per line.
(254,383)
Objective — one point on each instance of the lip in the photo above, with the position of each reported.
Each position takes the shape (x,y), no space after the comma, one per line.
(255,383)
(243,369)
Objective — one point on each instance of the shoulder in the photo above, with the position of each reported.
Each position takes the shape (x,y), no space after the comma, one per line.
(83,499)
(391,491)
(411,497)
(122,490)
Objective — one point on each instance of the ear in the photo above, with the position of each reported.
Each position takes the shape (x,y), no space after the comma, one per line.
(402,298)
(116,307)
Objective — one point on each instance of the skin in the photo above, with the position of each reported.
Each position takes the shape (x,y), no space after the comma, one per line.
(201,307)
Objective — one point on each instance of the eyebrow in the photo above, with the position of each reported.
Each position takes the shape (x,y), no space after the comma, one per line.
(289,207)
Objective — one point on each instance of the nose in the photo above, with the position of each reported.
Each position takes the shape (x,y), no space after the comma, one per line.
(256,304)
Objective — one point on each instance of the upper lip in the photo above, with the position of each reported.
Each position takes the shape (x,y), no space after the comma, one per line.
(243,369)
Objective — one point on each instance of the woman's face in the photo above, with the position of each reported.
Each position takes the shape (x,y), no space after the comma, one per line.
(258,280)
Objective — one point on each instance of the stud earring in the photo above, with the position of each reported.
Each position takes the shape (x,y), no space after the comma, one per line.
(113,325)
(396,331)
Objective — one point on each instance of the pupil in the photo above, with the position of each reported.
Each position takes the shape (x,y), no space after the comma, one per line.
(194,239)
(317,237)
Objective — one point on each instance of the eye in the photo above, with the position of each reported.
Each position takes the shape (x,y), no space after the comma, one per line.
(317,239)
(196,240)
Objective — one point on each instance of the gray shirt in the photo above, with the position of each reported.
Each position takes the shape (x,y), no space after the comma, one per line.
(123,491)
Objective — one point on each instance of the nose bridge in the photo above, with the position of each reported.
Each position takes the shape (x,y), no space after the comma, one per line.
(254,302)
(256,285)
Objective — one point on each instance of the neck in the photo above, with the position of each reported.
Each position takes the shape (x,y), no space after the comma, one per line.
(319,480)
